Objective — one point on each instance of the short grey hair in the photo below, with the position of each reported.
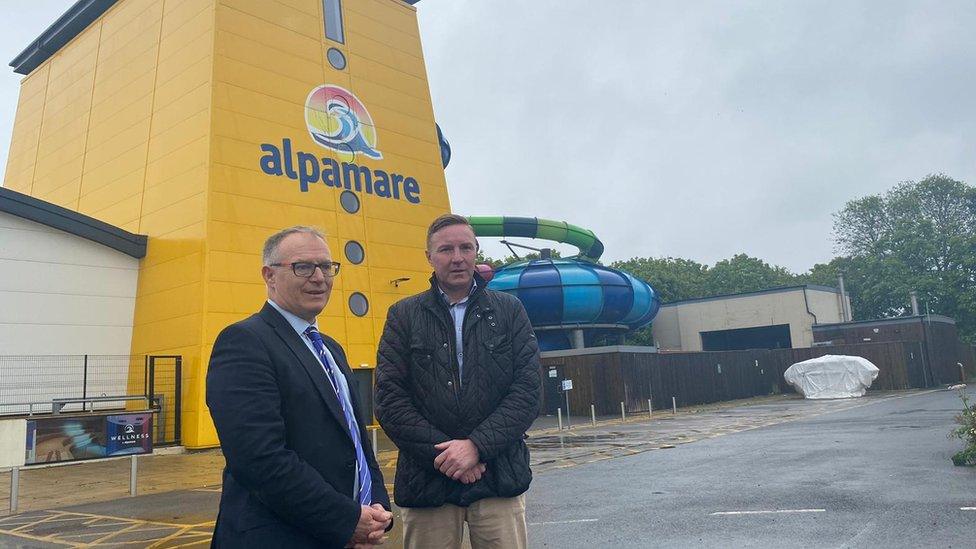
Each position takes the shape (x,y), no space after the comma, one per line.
(270,253)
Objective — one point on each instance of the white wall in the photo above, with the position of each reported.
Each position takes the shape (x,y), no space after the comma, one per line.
(60,294)
(678,327)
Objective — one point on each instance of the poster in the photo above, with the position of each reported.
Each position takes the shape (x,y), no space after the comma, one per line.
(129,434)
(73,438)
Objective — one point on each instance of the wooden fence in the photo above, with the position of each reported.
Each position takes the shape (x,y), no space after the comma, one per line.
(607,379)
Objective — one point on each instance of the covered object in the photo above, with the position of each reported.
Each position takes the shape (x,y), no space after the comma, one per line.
(832,376)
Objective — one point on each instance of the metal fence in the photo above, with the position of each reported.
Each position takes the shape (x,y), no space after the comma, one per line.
(32,385)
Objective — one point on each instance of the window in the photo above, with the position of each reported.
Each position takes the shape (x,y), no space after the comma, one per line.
(355,252)
(333,20)
(358,304)
(349,201)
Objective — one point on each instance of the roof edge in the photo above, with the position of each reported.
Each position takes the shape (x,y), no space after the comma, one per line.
(754,293)
(893,320)
(54,216)
(72,22)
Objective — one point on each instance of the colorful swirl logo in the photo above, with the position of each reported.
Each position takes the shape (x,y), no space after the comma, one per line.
(339,121)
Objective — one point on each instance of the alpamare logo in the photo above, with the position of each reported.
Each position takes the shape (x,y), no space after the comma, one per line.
(337,120)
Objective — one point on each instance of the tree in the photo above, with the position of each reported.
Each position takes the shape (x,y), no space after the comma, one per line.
(673,278)
(742,273)
(917,236)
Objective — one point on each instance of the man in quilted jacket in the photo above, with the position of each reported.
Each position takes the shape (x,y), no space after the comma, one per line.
(458,384)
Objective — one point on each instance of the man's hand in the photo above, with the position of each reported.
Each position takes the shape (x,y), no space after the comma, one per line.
(380,508)
(456,457)
(473,474)
(371,526)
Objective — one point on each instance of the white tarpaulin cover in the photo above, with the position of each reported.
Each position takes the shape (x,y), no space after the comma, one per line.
(832,376)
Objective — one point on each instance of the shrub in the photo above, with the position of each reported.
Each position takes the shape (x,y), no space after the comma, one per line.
(966,432)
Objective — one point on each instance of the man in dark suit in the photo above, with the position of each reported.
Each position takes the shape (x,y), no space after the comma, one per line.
(300,470)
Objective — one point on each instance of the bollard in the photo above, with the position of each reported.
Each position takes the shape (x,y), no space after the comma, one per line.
(962,372)
(14,488)
(133,472)
(559,413)
(376,448)
(593,414)
(674,406)
(623,412)
(650,410)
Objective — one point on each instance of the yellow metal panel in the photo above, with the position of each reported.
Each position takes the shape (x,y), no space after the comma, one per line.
(123,212)
(170,304)
(179,244)
(183,28)
(278,14)
(194,102)
(243,127)
(175,190)
(171,140)
(363,46)
(154,337)
(246,50)
(234,266)
(254,184)
(182,83)
(175,272)
(269,34)
(123,164)
(65,195)
(127,138)
(238,298)
(178,162)
(104,126)
(179,13)
(309,7)
(98,199)
(125,15)
(281,86)
(392,14)
(175,216)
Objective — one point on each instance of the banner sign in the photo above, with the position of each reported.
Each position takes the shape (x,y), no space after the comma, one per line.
(54,439)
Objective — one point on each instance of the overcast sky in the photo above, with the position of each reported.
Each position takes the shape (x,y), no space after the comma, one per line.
(688,129)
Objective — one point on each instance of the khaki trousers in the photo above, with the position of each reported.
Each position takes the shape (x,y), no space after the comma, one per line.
(493,523)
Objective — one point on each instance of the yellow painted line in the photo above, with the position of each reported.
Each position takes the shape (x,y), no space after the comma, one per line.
(115,533)
(35,523)
(39,538)
(170,537)
(195,543)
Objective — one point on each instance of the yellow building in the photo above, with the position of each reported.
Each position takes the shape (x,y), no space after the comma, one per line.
(210,124)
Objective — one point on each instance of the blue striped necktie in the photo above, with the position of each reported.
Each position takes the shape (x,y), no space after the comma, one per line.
(332,371)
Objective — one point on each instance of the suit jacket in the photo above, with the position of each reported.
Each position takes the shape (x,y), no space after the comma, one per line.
(290,460)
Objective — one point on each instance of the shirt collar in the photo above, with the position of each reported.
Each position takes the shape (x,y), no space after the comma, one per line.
(474,287)
(297,323)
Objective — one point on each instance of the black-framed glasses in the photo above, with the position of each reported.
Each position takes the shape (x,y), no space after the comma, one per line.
(306,269)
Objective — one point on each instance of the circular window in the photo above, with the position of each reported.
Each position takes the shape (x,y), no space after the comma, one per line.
(354,252)
(349,201)
(336,59)
(358,304)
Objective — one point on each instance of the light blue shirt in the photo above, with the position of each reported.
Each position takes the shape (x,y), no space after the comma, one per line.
(457,313)
(300,325)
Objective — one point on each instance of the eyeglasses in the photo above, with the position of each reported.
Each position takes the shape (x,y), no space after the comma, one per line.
(305,269)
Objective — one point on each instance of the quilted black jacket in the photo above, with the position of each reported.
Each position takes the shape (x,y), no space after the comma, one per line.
(420,402)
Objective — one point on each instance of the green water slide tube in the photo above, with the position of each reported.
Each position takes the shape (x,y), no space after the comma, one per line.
(589,245)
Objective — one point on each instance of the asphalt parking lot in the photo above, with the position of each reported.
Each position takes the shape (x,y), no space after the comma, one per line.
(775,472)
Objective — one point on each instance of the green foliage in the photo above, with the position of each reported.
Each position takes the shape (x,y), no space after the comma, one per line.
(966,432)
(917,236)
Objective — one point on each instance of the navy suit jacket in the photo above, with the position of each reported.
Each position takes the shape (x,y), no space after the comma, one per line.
(290,460)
